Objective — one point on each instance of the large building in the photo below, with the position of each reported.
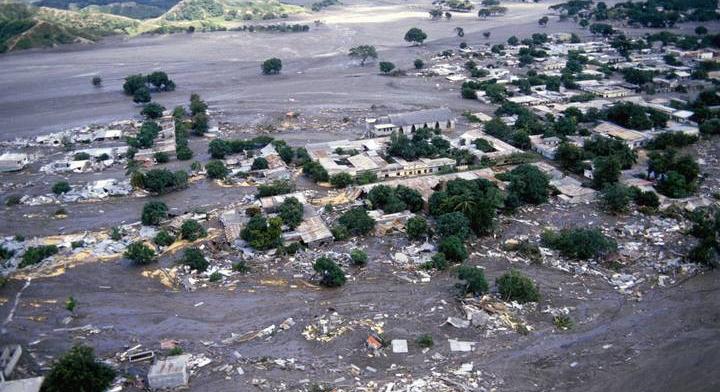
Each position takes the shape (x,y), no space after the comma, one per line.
(408,122)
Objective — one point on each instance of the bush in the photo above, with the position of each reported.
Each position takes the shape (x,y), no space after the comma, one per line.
(424,341)
(240,267)
(161,157)
(562,322)
(437,261)
(153,213)
(278,187)
(183,153)
(163,238)
(215,277)
(216,170)
(386,66)
(271,66)
(710,127)
(78,370)
(513,286)
(259,163)
(81,156)
(579,243)
(139,253)
(153,110)
(341,180)
(191,230)
(358,257)
(12,200)
(330,273)
(340,232)
(616,198)
(261,233)
(162,180)
(116,234)
(291,212)
(61,187)
(357,221)
(474,278)
(418,63)
(416,228)
(365,178)
(194,258)
(315,171)
(453,224)
(529,183)
(453,249)
(646,199)
(36,254)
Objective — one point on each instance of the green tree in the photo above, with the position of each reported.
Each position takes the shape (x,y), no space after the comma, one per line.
(78,370)
(153,110)
(453,224)
(571,158)
(191,230)
(163,238)
(363,52)
(358,257)
(141,95)
(153,213)
(419,64)
(416,228)
(453,249)
(219,148)
(61,187)
(415,36)
(579,243)
(386,67)
(514,286)
(606,172)
(139,253)
(710,127)
(474,278)
(513,40)
(341,180)
(315,171)
(543,21)
(197,105)
(259,163)
(96,81)
(216,170)
(529,183)
(200,124)
(35,254)
(194,258)
(133,83)
(261,233)
(271,66)
(357,221)
(331,275)
(616,198)
(291,212)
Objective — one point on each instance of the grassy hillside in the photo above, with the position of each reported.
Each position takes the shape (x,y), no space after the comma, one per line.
(23,27)
(137,9)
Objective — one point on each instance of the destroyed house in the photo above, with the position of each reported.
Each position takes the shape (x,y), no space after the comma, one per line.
(407,123)
(10,162)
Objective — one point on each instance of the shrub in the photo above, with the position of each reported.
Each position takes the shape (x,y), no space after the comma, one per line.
(161,157)
(259,163)
(163,238)
(646,199)
(240,267)
(183,153)
(513,286)
(215,277)
(453,224)
(191,230)
(261,233)
(77,244)
(419,64)
(365,178)
(579,243)
(315,171)
(153,213)
(279,187)
(710,127)
(424,341)
(81,156)
(162,180)
(358,257)
(437,261)
(563,322)
(616,198)
(416,228)
(216,169)
(357,221)
(139,253)
(5,253)
(116,234)
(341,180)
(175,351)
(340,232)
(529,183)
(271,66)
(12,200)
(61,187)
(194,258)
(291,212)
(330,273)
(36,254)
(453,249)
(70,304)
(474,278)
(78,370)
(386,66)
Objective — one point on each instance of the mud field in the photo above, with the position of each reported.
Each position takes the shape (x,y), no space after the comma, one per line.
(659,334)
